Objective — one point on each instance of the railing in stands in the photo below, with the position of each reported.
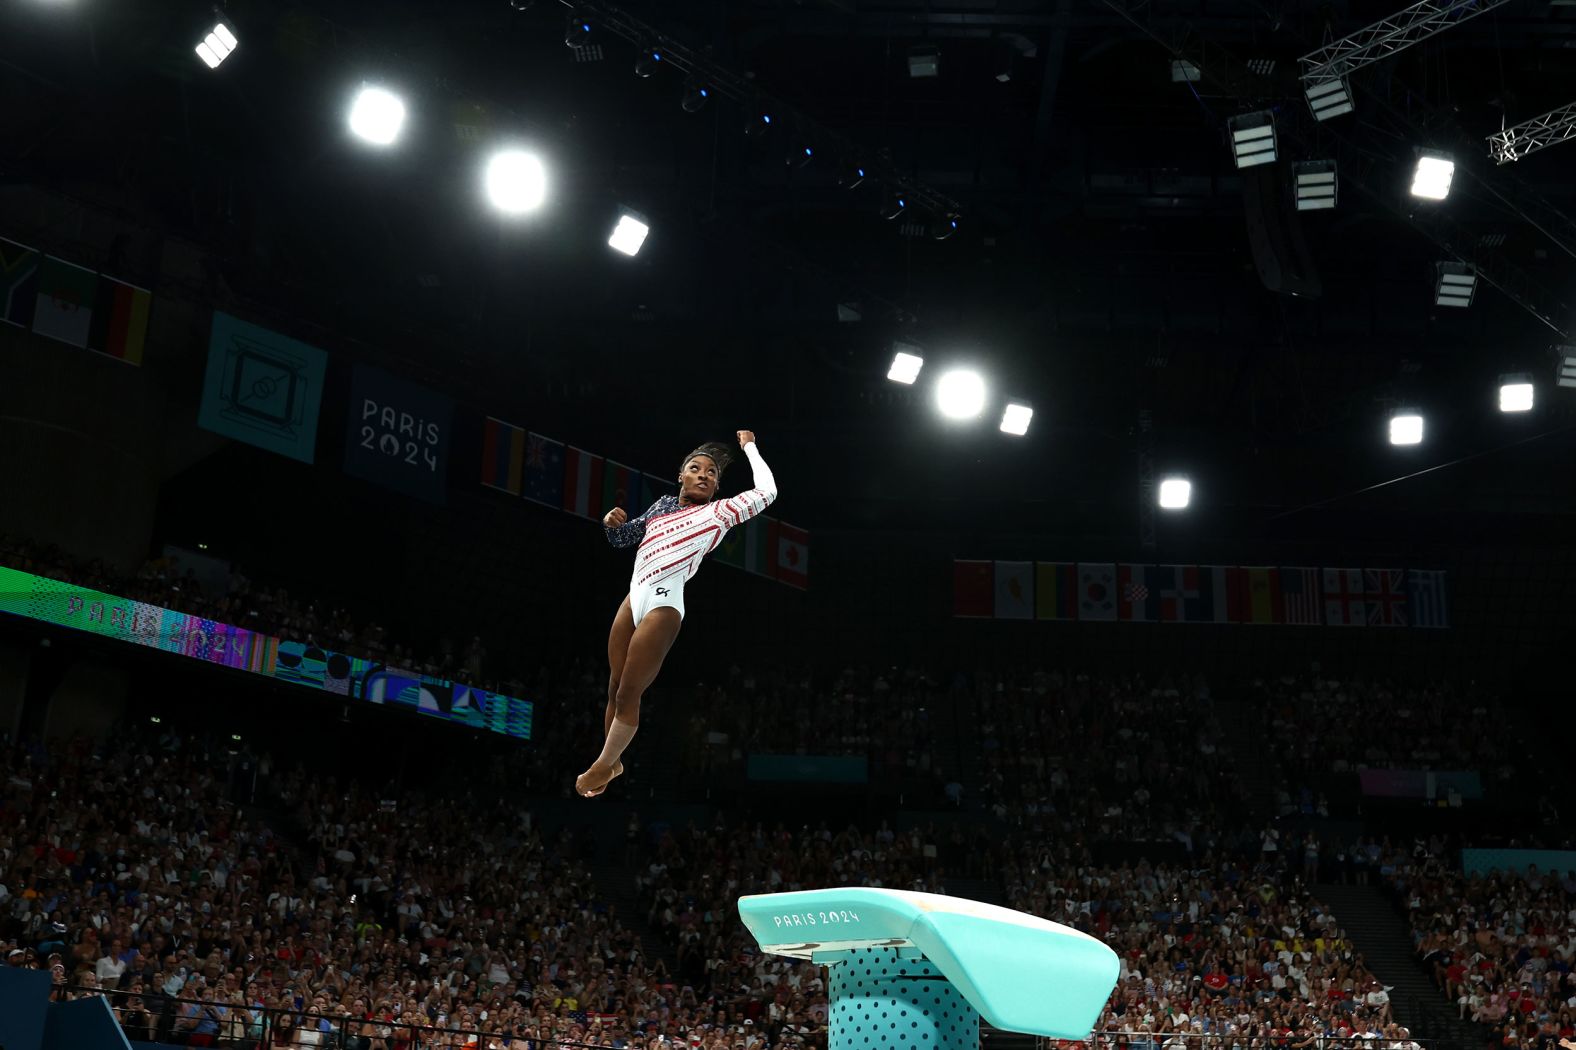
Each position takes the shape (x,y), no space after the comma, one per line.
(179,1021)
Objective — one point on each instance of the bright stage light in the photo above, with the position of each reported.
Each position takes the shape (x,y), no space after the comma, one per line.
(1015,420)
(628,235)
(377,116)
(1565,356)
(1432,178)
(960,394)
(1515,393)
(1175,493)
(1253,138)
(1406,428)
(1454,283)
(516,182)
(905,367)
(1316,184)
(217,45)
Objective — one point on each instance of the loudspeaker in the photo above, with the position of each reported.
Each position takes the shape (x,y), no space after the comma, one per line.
(1280,253)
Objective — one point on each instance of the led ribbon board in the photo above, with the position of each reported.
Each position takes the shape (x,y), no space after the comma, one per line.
(210,641)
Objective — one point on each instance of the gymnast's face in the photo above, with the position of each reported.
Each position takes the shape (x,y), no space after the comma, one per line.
(698,482)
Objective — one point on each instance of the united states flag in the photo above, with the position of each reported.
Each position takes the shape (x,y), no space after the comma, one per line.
(1301,596)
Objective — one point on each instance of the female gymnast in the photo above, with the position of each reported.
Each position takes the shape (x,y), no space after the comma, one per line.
(673,536)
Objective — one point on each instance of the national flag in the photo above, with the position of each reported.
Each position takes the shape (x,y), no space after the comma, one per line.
(120,320)
(973,588)
(503,456)
(582,482)
(1238,599)
(621,488)
(1136,599)
(1345,599)
(1096,591)
(64,309)
(1192,593)
(1055,591)
(1300,595)
(1386,597)
(760,545)
(1014,587)
(1426,588)
(1171,585)
(543,477)
(1261,595)
(793,556)
(18,283)
(653,488)
(731,550)
(1210,604)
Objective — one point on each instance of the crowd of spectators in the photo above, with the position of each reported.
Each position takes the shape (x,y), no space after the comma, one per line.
(232,598)
(1106,759)
(355,919)
(1214,951)
(896,718)
(690,880)
(1315,726)
(1501,945)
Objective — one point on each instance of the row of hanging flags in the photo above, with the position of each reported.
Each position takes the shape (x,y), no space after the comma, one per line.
(561,476)
(72,304)
(1028,590)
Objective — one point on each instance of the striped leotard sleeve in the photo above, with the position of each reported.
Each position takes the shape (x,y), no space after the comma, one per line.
(633,531)
(735,510)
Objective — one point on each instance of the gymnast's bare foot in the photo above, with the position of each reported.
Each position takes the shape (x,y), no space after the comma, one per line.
(594,781)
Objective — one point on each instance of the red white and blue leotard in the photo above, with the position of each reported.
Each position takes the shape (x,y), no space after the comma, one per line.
(673,539)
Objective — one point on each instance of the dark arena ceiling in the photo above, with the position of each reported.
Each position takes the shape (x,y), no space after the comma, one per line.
(1101,270)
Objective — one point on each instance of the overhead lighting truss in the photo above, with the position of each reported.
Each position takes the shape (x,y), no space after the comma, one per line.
(1387,36)
(725,83)
(1363,170)
(1529,136)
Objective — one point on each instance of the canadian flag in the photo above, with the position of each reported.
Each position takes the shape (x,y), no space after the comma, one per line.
(793,556)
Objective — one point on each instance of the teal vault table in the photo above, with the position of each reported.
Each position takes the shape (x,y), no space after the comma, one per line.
(917,971)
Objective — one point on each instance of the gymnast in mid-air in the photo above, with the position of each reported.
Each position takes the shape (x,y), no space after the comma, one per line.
(673,535)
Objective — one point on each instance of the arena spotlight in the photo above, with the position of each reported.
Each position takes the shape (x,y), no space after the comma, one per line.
(1252,138)
(521,5)
(758,125)
(694,97)
(376,116)
(894,205)
(649,62)
(577,31)
(1175,492)
(1454,283)
(516,181)
(1406,428)
(217,46)
(853,175)
(629,234)
(905,367)
(1316,184)
(1329,98)
(1515,393)
(1431,180)
(944,227)
(960,394)
(1565,358)
(1015,419)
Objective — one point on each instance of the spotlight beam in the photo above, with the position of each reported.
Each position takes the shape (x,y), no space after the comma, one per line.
(726,83)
